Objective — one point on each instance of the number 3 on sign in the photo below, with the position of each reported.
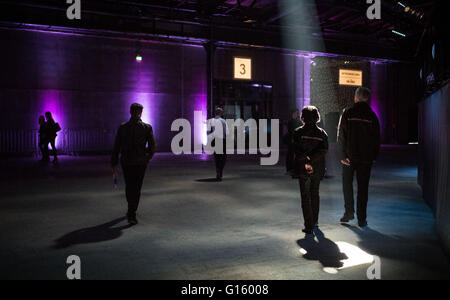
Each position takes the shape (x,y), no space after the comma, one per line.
(242,68)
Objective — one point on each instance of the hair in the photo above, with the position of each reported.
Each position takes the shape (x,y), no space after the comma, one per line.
(362,94)
(136,109)
(310,115)
(294,110)
(48,114)
(41,118)
(219,111)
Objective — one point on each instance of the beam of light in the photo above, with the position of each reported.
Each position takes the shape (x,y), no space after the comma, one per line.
(308,38)
(355,257)
(401,4)
(399,33)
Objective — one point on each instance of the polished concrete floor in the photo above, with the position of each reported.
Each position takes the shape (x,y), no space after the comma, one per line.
(246,227)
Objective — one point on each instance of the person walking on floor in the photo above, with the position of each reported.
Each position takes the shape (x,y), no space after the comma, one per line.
(43,139)
(310,146)
(219,131)
(359,146)
(52,129)
(136,145)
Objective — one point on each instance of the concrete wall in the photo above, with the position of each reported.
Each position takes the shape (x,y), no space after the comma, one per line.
(88,83)
(434,158)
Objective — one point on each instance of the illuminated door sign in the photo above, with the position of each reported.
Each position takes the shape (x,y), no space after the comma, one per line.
(350,77)
(242,68)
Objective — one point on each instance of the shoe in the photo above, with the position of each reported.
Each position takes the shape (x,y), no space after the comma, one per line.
(362,223)
(347,218)
(132,220)
(308,231)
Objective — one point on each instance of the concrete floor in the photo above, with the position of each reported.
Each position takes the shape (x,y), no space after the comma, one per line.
(247,227)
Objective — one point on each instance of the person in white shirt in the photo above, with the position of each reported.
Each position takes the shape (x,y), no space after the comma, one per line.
(220,158)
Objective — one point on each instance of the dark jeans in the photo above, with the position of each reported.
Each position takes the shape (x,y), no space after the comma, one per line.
(134,177)
(290,158)
(43,145)
(363,177)
(221,159)
(309,190)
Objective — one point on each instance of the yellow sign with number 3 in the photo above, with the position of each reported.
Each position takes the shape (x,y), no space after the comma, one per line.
(242,68)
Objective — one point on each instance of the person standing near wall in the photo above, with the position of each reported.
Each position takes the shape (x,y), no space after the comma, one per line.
(293,124)
(43,139)
(359,146)
(310,146)
(219,131)
(52,129)
(136,145)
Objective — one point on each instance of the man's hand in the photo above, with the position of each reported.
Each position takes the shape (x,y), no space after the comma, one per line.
(346,162)
(309,169)
(115,170)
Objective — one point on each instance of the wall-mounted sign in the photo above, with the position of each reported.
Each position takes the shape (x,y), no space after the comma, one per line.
(350,77)
(242,68)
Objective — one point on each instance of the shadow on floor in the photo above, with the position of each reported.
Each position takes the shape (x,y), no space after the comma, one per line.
(323,250)
(208,180)
(100,233)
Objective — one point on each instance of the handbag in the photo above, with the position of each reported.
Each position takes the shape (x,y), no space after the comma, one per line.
(57,127)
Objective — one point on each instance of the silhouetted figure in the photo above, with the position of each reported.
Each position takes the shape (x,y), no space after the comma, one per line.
(52,129)
(310,146)
(219,135)
(136,145)
(359,145)
(43,139)
(293,124)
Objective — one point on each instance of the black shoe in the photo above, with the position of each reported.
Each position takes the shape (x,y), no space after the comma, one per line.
(362,223)
(132,220)
(347,218)
(308,231)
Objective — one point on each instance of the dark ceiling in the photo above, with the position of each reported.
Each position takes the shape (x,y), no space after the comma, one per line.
(341,25)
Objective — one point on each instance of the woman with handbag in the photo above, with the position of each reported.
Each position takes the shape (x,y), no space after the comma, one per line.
(52,129)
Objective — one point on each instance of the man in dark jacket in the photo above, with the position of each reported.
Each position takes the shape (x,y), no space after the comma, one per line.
(311,146)
(359,145)
(131,143)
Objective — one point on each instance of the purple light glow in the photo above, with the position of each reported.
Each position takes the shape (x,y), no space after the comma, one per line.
(200,126)
(143,92)
(304,80)
(49,100)
(376,75)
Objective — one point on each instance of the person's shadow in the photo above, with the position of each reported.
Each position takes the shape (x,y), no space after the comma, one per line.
(208,180)
(323,250)
(100,233)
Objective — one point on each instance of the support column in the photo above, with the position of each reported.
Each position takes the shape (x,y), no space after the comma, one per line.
(210,51)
